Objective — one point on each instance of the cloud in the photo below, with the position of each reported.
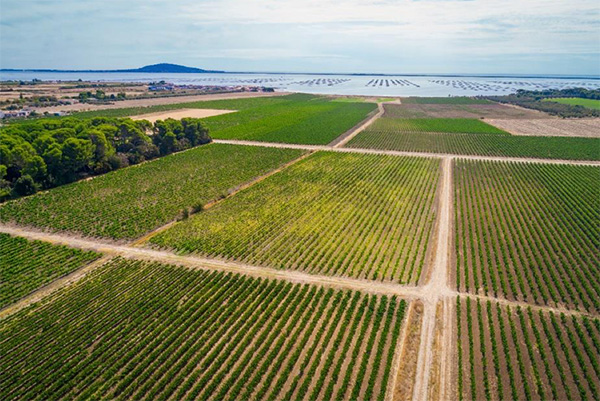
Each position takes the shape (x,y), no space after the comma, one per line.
(328,35)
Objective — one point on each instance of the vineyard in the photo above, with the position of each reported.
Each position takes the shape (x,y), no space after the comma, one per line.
(141,330)
(228,104)
(448,125)
(130,202)
(27,265)
(403,135)
(446,110)
(272,271)
(316,122)
(529,232)
(303,119)
(366,216)
(515,353)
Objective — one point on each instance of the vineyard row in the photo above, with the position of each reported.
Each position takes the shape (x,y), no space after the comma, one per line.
(143,330)
(332,213)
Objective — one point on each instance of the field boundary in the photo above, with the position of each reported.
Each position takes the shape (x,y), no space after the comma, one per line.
(47,289)
(403,153)
(431,364)
(197,262)
(352,132)
(231,193)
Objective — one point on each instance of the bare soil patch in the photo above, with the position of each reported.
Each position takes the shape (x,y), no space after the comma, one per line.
(584,127)
(182,113)
(409,354)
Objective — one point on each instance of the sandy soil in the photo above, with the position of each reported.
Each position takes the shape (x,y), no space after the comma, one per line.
(436,288)
(405,363)
(157,101)
(584,127)
(182,113)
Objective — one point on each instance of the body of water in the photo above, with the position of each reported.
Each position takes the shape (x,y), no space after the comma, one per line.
(369,85)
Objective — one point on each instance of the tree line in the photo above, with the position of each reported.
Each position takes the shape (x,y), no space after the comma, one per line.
(46,153)
(533,100)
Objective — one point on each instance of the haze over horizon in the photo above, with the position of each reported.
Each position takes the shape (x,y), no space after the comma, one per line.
(407,36)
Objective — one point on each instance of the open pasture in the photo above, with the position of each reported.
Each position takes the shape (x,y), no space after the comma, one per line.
(366,216)
(520,353)
(141,330)
(129,202)
(528,232)
(27,265)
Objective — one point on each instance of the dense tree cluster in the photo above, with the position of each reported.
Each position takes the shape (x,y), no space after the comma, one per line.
(49,152)
(100,95)
(533,100)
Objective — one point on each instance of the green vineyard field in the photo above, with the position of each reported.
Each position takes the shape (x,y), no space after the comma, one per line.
(514,353)
(529,232)
(226,104)
(446,125)
(129,202)
(301,119)
(366,216)
(404,135)
(141,330)
(27,265)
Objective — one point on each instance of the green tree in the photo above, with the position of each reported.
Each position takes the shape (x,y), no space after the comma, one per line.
(36,168)
(43,142)
(25,185)
(77,154)
(53,158)
(168,143)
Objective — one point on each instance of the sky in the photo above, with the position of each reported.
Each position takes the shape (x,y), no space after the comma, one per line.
(358,36)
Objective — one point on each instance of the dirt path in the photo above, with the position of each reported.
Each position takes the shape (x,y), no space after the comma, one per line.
(524,304)
(144,238)
(429,293)
(197,262)
(346,137)
(436,288)
(399,153)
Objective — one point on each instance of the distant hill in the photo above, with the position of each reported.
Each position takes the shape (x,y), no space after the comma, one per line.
(154,68)
(166,67)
